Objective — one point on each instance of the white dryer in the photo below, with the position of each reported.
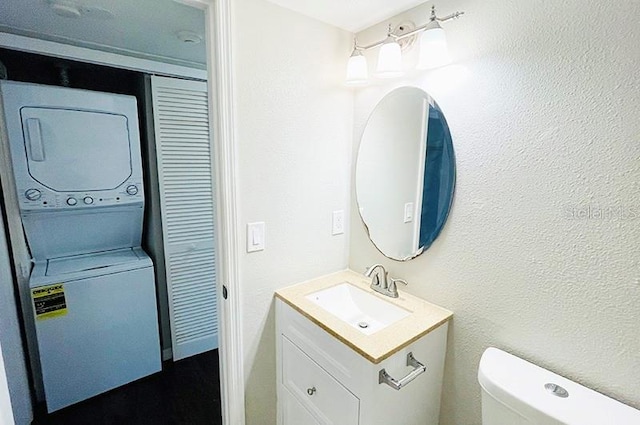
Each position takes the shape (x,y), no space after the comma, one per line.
(72,148)
(78,172)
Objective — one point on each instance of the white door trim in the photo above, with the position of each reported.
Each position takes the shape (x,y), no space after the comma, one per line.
(6,411)
(222,113)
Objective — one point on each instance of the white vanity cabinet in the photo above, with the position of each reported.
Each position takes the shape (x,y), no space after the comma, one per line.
(308,385)
(323,381)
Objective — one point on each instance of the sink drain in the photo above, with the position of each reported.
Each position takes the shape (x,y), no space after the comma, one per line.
(363,325)
(556,390)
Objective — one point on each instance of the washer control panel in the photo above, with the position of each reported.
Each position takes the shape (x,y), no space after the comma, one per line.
(39,197)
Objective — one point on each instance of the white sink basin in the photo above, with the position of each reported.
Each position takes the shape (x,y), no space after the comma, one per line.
(360,309)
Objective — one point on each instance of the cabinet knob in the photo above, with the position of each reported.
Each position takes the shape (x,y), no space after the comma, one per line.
(311,391)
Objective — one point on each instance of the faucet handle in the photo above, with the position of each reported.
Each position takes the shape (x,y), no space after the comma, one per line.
(393,287)
(394,281)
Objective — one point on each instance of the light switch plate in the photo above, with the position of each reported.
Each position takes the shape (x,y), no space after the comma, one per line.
(408,212)
(337,222)
(255,236)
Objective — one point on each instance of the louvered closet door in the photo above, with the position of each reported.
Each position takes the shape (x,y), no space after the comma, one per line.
(180,116)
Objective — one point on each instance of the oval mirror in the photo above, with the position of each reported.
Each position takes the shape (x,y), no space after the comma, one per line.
(405,173)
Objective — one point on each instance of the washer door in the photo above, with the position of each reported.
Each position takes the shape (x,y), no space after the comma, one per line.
(107,338)
(76,151)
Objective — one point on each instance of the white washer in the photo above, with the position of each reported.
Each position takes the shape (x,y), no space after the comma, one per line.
(105,336)
(78,172)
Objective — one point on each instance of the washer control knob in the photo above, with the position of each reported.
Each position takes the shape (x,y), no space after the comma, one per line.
(88,200)
(33,194)
(72,201)
(132,189)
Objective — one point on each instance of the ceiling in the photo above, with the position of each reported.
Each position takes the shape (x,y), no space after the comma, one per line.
(139,28)
(148,28)
(351,15)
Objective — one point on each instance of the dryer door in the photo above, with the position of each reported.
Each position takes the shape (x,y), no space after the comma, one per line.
(76,151)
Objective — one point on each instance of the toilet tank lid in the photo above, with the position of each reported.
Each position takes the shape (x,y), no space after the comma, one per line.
(520,385)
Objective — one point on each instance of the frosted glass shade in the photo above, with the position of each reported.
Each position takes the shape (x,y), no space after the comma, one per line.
(389,60)
(433,49)
(357,72)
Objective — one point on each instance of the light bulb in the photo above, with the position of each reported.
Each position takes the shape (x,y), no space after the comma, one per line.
(433,47)
(357,72)
(389,59)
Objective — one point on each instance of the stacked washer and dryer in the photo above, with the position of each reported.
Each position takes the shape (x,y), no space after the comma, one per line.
(78,173)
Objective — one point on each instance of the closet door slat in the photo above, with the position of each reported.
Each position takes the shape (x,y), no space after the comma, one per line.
(184,156)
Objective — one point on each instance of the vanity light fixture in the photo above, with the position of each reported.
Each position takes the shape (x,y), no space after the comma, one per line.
(357,72)
(433,50)
(433,45)
(389,58)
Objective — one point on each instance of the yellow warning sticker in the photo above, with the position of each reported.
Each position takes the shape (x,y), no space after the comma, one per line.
(49,301)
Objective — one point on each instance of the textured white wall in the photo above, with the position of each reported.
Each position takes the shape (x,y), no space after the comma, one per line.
(543,110)
(294,136)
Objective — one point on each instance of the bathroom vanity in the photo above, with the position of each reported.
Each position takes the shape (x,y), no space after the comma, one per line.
(347,355)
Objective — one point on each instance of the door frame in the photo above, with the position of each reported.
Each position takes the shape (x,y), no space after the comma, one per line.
(222,116)
(222,123)
(6,411)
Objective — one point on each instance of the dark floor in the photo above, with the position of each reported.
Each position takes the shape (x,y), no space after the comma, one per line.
(185,392)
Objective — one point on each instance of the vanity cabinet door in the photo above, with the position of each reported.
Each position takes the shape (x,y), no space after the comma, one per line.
(327,400)
(293,413)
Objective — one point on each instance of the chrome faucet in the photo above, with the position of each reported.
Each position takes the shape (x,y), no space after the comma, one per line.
(376,280)
(381,282)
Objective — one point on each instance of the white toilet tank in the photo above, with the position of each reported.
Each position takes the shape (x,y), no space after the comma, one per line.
(516,392)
